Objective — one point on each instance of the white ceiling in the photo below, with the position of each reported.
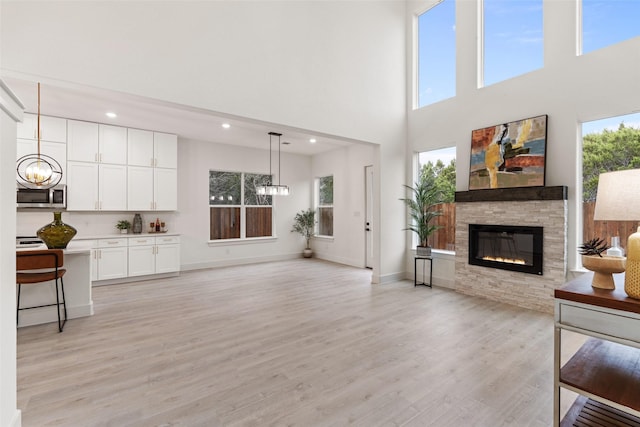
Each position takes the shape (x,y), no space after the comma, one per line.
(91,104)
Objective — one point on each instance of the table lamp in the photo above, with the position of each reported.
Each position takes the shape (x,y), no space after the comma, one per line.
(618,200)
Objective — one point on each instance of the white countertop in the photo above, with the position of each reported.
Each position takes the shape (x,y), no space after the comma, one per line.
(120,235)
(74,247)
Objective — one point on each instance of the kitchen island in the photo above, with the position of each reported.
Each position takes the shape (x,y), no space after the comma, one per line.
(77,288)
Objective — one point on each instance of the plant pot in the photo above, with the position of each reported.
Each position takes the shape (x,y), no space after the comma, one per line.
(603,269)
(423,250)
(124,231)
(307,253)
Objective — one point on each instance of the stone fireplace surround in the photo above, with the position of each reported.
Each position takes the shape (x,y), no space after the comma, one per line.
(535,206)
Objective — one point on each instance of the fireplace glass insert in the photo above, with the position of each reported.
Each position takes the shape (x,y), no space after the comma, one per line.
(508,247)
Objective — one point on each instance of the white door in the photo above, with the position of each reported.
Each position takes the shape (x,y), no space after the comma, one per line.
(139,188)
(142,260)
(113,188)
(368,225)
(165,189)
(82,192)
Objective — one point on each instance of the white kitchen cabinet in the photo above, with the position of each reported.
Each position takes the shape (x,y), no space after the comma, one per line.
(97,143)
(153,255)
(109,259)
(96,187)
(53,129)
(152,149)
(56,150)
(152,189)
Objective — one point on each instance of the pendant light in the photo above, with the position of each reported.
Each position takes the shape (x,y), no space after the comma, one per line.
(38,170)
(272,189)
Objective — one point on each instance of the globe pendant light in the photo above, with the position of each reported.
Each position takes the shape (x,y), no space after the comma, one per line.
(38,170)
(272,189)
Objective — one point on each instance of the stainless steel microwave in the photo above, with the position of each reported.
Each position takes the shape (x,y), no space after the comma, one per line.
(47,198)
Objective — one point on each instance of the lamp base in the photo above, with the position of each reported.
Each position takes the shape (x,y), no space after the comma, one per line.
(632,275)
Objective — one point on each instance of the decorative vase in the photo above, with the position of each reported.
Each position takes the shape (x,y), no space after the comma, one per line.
(603,269)
(632,276)
(137,224)
(57,234)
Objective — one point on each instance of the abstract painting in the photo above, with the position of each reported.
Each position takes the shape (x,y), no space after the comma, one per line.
(509,155)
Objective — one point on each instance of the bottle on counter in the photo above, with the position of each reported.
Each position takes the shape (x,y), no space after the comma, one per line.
(157,224)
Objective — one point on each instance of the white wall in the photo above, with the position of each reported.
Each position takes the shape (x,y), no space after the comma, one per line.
(10,113)
(195,159)
(333,67)
(570,89)
(347,167)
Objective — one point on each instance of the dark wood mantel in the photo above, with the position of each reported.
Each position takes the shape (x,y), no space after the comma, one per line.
(513,194)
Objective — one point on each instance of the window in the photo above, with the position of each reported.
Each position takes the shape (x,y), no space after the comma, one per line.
(512,38)
(439,166)
(607,145)
(236,210)
(325,205)
(436,53)
(607,22)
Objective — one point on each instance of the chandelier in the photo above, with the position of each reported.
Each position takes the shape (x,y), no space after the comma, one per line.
(272,189)
(38,170)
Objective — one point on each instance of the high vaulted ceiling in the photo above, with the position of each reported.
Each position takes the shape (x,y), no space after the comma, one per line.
(91,104)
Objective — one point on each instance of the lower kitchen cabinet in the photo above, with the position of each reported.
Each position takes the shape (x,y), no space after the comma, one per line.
(109,259)
(153,255)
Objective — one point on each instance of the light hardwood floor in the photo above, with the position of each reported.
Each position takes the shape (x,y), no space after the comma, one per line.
(295,343)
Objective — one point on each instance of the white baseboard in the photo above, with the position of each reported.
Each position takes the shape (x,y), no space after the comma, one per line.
(133,279)
(37,316)
(339,260)
(389,278)
(16,420)
(231,262)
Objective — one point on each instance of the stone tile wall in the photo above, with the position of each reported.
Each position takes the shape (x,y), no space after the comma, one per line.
(521,289)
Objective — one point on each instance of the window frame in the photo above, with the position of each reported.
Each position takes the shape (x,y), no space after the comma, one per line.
(243,213)
(319,206)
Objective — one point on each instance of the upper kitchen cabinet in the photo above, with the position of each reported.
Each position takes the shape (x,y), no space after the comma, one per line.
(97,143)
(53,129)
(152,149)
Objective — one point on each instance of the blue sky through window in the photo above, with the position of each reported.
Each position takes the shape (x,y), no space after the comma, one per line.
(612,123)
(605,22)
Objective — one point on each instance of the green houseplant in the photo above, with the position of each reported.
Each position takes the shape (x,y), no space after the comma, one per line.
(304,224)
(422,208)
(123,225)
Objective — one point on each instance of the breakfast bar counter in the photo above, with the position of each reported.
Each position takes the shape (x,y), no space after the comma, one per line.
(77,287)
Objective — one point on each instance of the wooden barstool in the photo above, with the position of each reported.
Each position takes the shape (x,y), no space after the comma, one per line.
(37,267)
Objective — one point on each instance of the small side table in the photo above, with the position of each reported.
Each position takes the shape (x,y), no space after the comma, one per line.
(415,270)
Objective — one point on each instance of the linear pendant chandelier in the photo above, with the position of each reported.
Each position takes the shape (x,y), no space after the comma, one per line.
(272,189)
(38,170)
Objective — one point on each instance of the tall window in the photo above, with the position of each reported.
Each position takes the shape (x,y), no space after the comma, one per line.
(512,38)
(325,205)
(607,145)
(439,167)
(437,53)
(607,22)
(236,210)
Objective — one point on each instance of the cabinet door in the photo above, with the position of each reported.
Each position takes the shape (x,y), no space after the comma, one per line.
(113,144)
(140,147)
(113,187)
(165,189)
(167,258)
(82,144)
(94,264)
(53,129)
(142,260)
(112,263)
(139,188)
(165,147)
(27,129)
(82,191)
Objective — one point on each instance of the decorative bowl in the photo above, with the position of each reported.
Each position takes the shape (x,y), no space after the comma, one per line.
(603,269)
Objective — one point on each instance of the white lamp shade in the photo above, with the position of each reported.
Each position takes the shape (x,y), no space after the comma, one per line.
(618,198)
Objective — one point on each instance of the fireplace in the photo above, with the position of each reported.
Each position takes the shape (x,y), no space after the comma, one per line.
(507,247)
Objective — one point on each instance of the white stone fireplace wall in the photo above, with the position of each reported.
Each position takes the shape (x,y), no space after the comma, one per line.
(521,289)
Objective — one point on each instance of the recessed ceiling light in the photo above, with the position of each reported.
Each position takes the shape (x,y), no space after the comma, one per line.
(226,125)
(111,115)
(312,140)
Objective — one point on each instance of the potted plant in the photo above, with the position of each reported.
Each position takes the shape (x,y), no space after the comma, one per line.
(603,267)
(304,223)
(422,209)
(123,225)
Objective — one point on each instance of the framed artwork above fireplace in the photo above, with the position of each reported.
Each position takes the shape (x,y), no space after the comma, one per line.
(507,155)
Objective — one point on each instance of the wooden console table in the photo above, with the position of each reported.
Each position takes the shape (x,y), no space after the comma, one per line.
(605,371)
